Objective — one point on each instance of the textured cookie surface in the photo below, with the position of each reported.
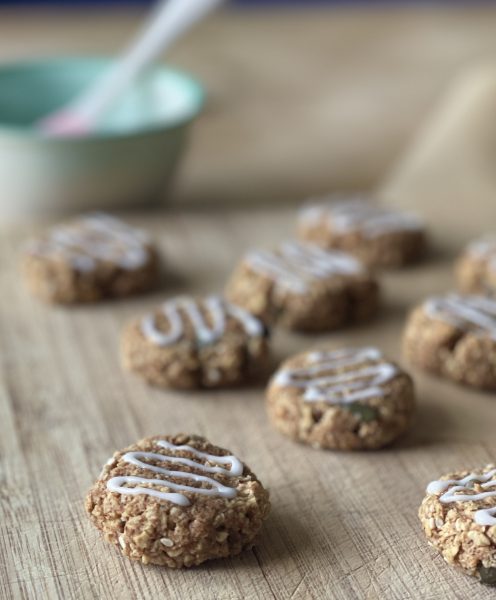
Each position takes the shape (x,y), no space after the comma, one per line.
(454,336)
(304,287)
(196,343)
(476,268)
(348,399)
(459,519)
(378,236)
(96,256)
(177,501)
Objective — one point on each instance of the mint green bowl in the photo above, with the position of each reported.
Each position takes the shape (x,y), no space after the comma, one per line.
(128,162)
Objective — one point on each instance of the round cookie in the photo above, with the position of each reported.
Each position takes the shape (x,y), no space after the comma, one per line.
(459,519)
(377,235)
(476,268)
(454,336)
(304,287)
(96,256)
(196,343)
(177,501)
(349,399)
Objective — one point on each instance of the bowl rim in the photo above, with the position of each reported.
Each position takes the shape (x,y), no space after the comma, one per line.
(197,89)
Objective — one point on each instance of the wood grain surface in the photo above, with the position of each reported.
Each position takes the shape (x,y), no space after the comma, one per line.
(343,525)
(298,102)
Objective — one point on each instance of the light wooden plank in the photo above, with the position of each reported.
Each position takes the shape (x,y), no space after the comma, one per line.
(343,525)
(298,103)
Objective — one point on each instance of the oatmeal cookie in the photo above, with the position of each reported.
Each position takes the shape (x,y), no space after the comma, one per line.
(304,287)
(458,516)
(476,268)
(454,336)
(348,399)
(377,235)
(196,343)
(177,501)
(94,257)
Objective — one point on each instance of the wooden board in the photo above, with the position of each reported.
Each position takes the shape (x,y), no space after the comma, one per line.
(343,525)
(299,102)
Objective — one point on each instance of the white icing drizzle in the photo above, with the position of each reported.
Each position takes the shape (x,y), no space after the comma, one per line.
(358,382)
(476,313)
(218,309)
(485,248)
(121,484)
(357,214)
(452,487)
(294,265)
(96,236)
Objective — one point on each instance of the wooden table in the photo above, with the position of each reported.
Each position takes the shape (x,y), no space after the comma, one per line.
(342,526)
(299,102)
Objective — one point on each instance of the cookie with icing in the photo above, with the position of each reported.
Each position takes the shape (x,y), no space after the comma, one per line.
(196,343)
(304,287)
(377,235)
(346,399)
(454,336)
(90,258)
(177,501)
(458,516)
(476,267)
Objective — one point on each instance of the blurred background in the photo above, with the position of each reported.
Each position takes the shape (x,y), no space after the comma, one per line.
(301,97)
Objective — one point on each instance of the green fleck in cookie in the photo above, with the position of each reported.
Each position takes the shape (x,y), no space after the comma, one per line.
(458,516)
(348,399)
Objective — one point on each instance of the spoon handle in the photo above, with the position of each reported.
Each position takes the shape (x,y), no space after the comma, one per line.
(167,23)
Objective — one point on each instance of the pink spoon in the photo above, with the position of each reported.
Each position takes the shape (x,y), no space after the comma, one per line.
(170,20)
